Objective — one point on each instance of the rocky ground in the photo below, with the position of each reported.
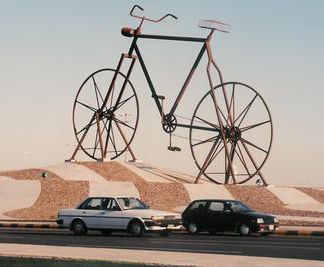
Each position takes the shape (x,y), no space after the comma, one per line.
(58,193)
(55,193)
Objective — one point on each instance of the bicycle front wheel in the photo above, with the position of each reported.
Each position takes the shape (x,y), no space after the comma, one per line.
(247,133)
(110,115)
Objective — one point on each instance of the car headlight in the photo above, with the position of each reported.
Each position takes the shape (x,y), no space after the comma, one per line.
(260,220)
(275,220)
(157,217)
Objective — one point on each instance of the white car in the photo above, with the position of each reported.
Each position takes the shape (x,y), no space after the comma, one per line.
(108,214)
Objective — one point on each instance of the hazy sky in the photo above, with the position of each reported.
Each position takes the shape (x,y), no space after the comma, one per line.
(48,48)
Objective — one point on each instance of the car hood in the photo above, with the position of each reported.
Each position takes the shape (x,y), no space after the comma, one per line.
(148,213)
(258,214)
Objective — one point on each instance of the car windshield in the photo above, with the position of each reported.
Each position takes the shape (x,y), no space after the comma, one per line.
(239,207)
(129,203)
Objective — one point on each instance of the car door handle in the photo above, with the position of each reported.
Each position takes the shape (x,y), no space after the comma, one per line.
(84,212)
(102,212)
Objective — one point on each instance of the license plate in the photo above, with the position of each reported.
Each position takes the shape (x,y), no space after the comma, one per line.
(271,227)
(170,226)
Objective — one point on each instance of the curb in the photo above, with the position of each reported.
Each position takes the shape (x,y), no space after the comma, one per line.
(31,225)
(299,232)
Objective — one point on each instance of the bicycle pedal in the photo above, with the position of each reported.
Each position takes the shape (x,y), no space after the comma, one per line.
(174,148)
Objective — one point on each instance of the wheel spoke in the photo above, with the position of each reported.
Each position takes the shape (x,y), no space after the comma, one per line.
(121,133)
(121,103)
(112,139)
(206,141)
(228,163)
(108,135)
(249,154)
(221,112)
(232,105)
(87,106)
(251,144)
(219,151)
(245,111)
(112,95)
(241,158)
(91,123)
(209,123)
(212,154)
(96,144)
(253,126)
(96,91)
(123,123)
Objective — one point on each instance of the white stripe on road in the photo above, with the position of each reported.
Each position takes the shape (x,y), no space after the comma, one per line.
(160,249)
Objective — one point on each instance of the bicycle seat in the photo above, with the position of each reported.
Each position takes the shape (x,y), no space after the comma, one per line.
(214,25)
(127,31)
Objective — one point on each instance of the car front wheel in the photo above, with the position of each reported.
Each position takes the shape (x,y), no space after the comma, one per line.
(136,228)
(244,230)
(79,227)
(192,228)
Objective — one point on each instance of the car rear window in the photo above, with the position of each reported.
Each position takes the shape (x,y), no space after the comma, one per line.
(198,205)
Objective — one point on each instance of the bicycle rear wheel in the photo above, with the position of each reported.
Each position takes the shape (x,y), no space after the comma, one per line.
(117,119)
(247,133)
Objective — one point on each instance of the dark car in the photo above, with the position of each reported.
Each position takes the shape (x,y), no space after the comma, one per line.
(214,216)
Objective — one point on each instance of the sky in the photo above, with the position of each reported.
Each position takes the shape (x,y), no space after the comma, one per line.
(48,48)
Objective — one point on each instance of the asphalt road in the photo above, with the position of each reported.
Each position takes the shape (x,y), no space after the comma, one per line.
(294,247)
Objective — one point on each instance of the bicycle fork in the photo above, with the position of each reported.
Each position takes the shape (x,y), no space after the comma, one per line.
(229,168)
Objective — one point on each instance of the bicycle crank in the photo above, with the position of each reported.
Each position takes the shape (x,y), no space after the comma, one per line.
(169,123)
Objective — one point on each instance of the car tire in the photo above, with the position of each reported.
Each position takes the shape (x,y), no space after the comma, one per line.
(79,227)
(106,232)
(136,228)
(192,228)
(244,230)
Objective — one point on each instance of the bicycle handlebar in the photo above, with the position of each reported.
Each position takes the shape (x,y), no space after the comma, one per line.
(152,20)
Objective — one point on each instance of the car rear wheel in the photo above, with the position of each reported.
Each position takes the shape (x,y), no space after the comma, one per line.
(79,227)
(136,228)
(244,230)
(192,228)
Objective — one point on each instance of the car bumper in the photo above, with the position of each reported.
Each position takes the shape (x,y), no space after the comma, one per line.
(59,221)
(267,228)
(151,225)
(165,228)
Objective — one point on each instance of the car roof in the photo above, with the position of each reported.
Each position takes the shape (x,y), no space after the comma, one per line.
(212,199)
(111,197)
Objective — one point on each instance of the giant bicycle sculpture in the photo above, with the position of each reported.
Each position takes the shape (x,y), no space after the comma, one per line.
(230,132)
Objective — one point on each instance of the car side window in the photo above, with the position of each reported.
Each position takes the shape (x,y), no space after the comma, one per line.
(216,206)
(109,204)
(93,204)
(105,203)
(113,204)
(198,205)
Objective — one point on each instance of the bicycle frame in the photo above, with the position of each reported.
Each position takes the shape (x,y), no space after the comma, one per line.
(167,118)
(134,49)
